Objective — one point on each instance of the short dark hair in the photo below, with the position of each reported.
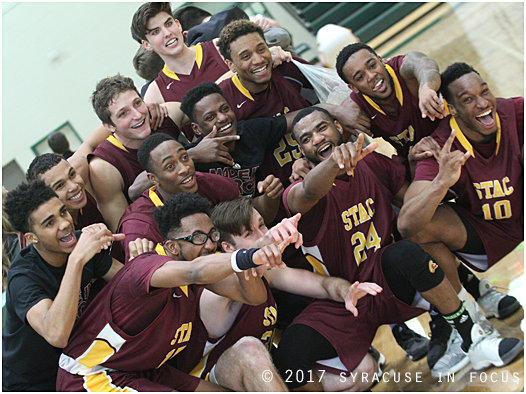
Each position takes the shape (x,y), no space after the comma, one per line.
(143,15)
(451,74)
(176,208)
(58,142)
(196,94)
(305,112)
(233,218)
(346,53)
(190,16)
(233,31)
(25,199)
(106,92)
(42,164)
(149,144)
(147,63)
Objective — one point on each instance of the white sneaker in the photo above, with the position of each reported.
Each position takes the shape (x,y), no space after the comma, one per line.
(480,319)
(486,351)
(453,360)
(495,303)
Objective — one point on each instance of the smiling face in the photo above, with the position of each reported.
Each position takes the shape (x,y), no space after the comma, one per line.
(52,231)
(474,107)
(252,61)
(131,119)
(247,238)
(213,110)
(193,224)
(368,75)
(317,136)
(164,35)
(174,170)
(68,185)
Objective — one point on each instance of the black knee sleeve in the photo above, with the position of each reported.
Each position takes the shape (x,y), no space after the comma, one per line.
(405,263)
(299,348)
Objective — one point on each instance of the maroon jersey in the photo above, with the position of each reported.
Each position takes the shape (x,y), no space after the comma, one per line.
(344,235)
(405,127)
(203,352)
(490,190)
(137,220)
(130,326)
(208,66)
(90,214)
(279,98)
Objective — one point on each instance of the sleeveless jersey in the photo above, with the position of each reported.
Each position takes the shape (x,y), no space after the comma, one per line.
(490,190)
(405,127)
(203,352)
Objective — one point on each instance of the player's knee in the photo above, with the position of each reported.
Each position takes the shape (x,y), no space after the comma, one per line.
(250,350)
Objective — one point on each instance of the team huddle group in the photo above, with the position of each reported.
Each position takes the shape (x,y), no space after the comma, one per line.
(229,204)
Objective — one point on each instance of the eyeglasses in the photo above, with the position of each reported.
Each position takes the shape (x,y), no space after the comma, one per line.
(201,238)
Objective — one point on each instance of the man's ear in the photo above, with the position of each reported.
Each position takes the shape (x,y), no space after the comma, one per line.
(452,109)
(195,128)
(353,88)
(227,247)
(31,238)
(338,126)
(185,33)
(146,45)
(152,178)
(109,127)
(173,248)
(231,65)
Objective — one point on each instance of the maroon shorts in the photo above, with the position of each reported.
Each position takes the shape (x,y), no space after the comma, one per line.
(166,378)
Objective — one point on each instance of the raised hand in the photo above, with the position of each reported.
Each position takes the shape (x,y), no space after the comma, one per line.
(95,238)
(300,168)
(270,255)
(271,187)
(430,104)
(140,246)
(212,149)
(451,163)
(425,148)
(347,156)
(157,114)
(286,230)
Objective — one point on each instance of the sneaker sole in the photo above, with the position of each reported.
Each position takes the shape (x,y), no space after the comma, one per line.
(457,367)
(506,359)
(505,312)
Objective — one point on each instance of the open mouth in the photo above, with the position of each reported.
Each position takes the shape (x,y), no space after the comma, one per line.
(171,42)
(138,125)
(325,151)
(225,128)
(486,118)
(260,71)
(77,197)
(378,86)
(69,239)
(189,181)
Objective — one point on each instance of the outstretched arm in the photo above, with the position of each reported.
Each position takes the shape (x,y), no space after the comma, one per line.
(423,197)
(421,74)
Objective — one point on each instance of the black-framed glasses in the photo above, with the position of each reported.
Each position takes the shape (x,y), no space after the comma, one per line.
(201,238)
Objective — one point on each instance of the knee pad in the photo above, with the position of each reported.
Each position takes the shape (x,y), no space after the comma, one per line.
(411,263)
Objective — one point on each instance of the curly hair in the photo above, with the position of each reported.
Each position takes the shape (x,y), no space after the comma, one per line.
(346,53)
(106,92)
(233,218)
(143,15)
(176,208)
(233,31)
(451,74)
(25,199)
(149,144)
(196,94)
(42,164)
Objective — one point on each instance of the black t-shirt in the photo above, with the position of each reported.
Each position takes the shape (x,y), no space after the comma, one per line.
(257,136)
(29,362)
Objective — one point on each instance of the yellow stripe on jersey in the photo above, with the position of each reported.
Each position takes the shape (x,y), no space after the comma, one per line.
(398,91)
(465,142)
(198,60)
(116,142)
(154,197)
(241,88)
(313,256)
(101,382)
(103,347)
(160,250)
(170,74)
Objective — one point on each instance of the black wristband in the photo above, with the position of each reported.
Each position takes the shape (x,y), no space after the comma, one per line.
(244,259)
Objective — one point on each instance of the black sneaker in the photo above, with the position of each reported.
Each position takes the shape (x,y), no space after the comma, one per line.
(413,344)
(440,335)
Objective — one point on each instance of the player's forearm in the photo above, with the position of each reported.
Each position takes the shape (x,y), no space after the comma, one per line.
(252,291)
(60,318)
(421,67)
(418,210)
(336,288)
(320,179)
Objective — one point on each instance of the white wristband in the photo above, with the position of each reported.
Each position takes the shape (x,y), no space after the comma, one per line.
(234,262)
